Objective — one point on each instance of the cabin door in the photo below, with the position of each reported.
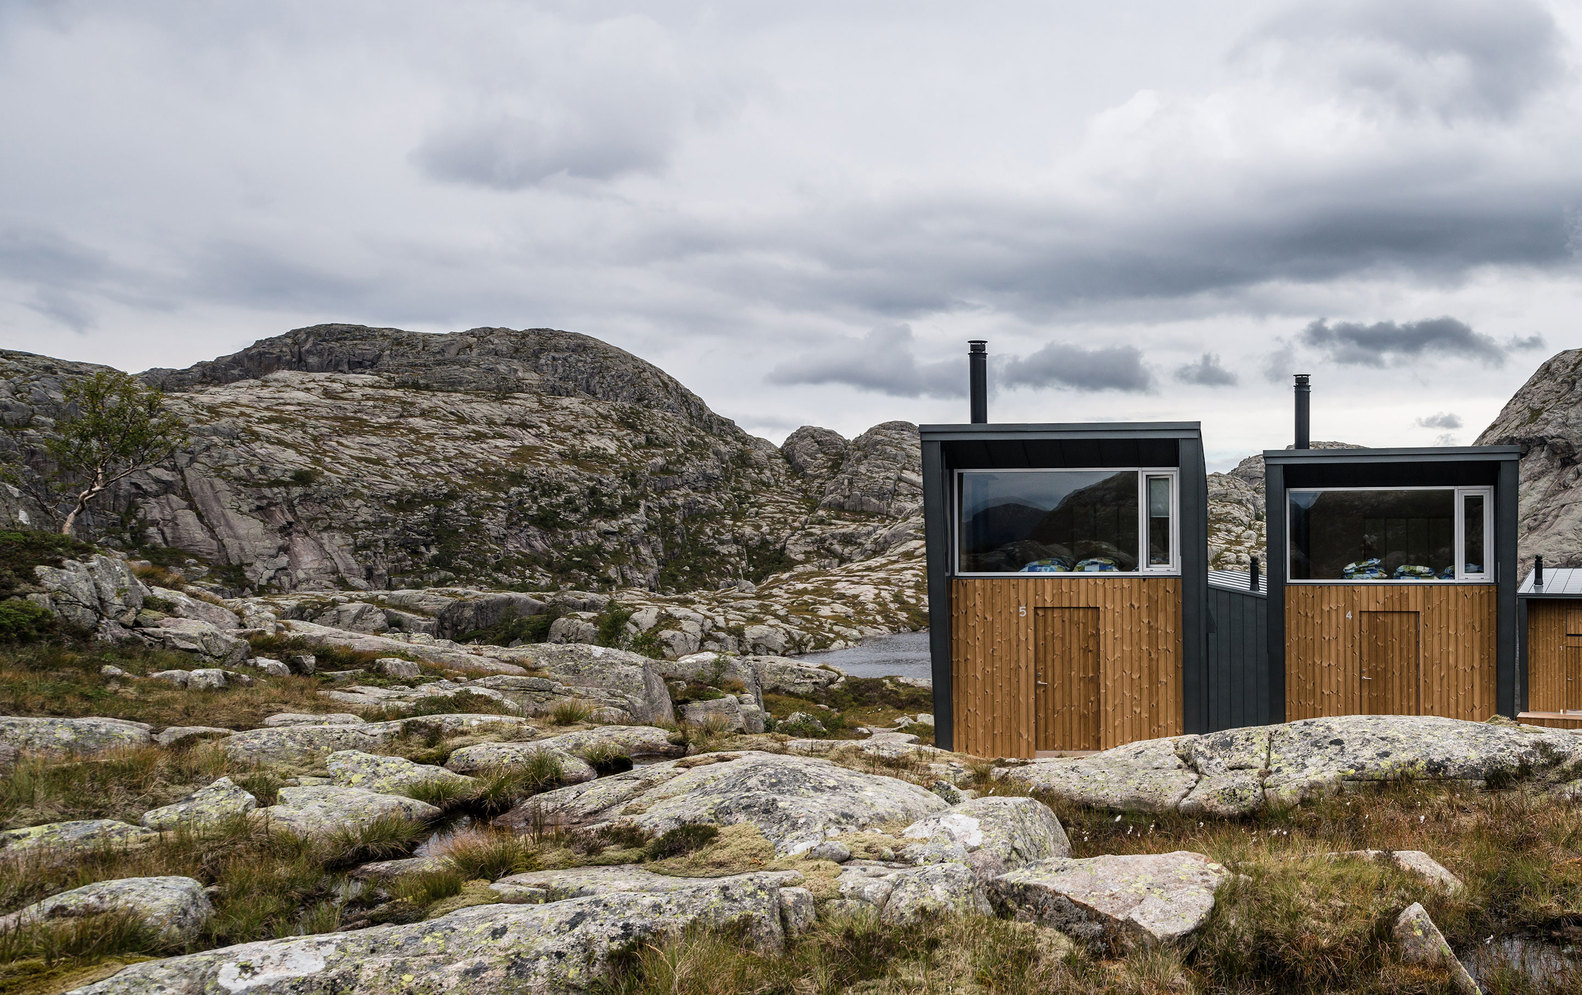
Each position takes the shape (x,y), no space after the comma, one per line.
(1571,691)
(1391,664)
(1066,679)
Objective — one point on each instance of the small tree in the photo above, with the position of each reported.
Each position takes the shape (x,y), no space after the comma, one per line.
(120,427)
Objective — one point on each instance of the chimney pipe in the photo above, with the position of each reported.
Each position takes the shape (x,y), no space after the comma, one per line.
(978,377)
(1252,584)
(1303,402)
(1538,571)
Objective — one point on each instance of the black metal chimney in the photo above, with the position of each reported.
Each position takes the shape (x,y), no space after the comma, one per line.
(1304,439)
(978,376)
(1538,571)
(1252,583)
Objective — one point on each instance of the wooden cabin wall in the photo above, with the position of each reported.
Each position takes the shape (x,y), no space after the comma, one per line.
(1330,628)
(994,650)
(1554,655)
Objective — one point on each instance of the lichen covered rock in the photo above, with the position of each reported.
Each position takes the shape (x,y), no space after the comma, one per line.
(213,803)
(990,835)
(796,801)
(1113,902)
(387,775)
(175,907)
(316,809)
(482,950)
(484,756)
(64,737)
(74,837)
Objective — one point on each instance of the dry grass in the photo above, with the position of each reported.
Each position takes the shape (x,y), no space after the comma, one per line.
(119,785)
(64,680)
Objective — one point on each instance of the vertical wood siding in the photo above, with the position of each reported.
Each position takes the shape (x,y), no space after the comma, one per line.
(994,653)
(1325,649)
(1554,655)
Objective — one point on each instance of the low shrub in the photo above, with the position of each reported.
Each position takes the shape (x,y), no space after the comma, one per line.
(490,854)
(570,712)
(607,758)
(680,840)
(23,621)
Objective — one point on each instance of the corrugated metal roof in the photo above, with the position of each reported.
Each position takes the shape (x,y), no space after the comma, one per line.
(1559,582)
(1237,580)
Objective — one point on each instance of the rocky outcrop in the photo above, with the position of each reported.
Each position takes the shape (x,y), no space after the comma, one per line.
(582,882)
(174,907)
(546,456)
(402,698)
(1542,417)
(322,808)
(213,803)
(989,835)
(66,737)
(67,838)
(190,635)
(388,775)
(600,673)
(292,742)
(484,950)
(1421,942)
(796,802)
(1242,771)
(98,594)
(1114,903)
(905,895)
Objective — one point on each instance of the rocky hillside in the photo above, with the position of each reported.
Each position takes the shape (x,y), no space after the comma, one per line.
(341,456)
(1544,417)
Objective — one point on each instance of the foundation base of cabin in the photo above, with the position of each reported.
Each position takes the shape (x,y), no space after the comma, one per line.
(1064,663)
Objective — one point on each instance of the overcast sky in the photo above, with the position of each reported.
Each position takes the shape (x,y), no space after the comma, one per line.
(1151,210)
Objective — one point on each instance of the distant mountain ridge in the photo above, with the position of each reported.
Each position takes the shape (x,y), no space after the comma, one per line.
(347,456)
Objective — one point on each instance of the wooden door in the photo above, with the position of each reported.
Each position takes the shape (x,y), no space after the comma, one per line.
(1391,663)
(1066,679)
(1571,689)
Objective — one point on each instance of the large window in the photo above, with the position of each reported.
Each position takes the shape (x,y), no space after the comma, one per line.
(1066,521)
(1412,534)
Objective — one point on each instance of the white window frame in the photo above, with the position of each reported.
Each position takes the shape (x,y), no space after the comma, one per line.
(1460,494)
(1142,472)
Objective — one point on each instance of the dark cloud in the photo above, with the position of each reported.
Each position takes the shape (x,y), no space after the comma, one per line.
(1524,343)
(882,362)
(64,275)
(1443,419)
(1206,372)
(1058,365)
(1386,343)
(1447,58)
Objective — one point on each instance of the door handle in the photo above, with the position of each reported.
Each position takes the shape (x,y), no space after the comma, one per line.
(1042,684)
(1366,677)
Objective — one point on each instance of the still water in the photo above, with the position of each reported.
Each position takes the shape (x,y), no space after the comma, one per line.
(902,655)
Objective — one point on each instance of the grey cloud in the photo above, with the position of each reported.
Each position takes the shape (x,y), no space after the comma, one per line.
(1280,364)
(1443,419)
(1445,439)
(1525,343)
(1206,372)
(1117,368)
(1449,58)
(511,152)
(882,362)
(1385,343)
